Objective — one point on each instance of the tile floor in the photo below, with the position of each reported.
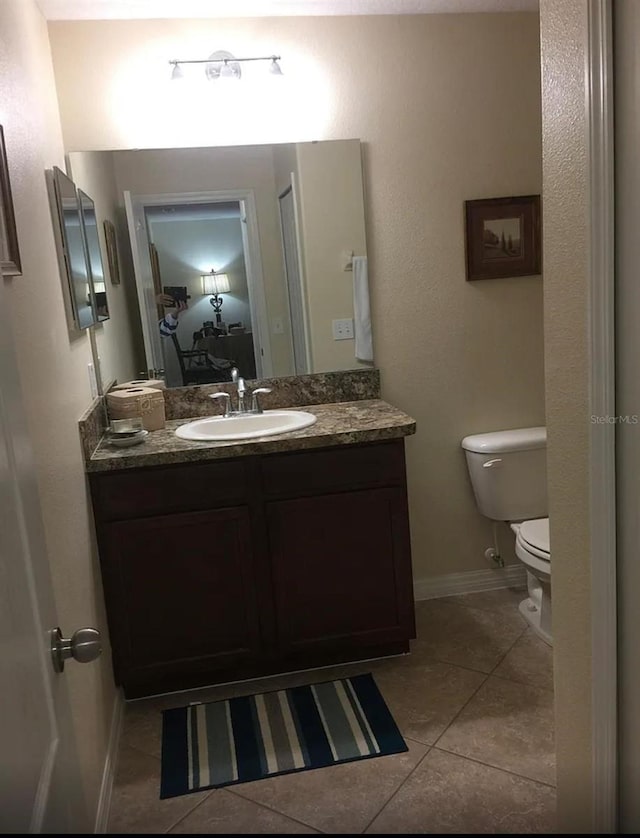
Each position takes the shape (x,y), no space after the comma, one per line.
(474,702)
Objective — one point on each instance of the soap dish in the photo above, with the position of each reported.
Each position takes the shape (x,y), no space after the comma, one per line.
(125,427)
(122,441)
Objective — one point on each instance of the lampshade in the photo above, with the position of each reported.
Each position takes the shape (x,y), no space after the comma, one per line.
(214,283)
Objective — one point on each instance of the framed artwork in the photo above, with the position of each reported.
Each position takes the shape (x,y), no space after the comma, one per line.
(112,252)
(9,250)
(502,237)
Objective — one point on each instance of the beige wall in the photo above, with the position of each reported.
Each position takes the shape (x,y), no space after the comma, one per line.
(52,368)
(448,109)
(566,231)
(332,220)
(93,173)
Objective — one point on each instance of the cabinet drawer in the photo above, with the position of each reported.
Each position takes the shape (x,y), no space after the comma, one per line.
(335,469)
(159,491)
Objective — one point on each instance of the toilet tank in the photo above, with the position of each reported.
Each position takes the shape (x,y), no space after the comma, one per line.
(508,471)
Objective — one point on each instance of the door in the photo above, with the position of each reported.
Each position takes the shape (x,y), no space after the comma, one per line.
(341,570)
(627,247)
(182,596)
(40,787)
(291,253)
(145,284)
(257,306)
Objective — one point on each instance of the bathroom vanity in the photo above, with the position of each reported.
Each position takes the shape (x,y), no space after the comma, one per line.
(236,560)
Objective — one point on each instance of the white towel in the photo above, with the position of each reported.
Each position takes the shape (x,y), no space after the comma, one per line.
(362,310)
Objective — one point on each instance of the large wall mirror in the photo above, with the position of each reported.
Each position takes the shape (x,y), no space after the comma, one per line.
(247,249)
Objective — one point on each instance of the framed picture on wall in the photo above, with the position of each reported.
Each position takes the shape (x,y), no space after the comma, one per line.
(9,250)
(502,237)
(112,252)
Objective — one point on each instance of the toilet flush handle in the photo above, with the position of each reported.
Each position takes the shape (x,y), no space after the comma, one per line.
(492,463)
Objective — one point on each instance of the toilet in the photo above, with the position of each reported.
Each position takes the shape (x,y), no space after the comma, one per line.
(508,471)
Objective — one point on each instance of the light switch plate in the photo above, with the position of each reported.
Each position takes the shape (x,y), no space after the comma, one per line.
(343,329)
(277,326)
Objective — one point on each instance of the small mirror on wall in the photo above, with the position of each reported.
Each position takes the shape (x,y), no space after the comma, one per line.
(72,251)
(94,255)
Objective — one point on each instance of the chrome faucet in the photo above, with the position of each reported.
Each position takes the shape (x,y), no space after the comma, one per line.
(244,393)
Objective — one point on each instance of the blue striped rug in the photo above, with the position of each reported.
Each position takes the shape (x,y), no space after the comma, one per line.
(222,743)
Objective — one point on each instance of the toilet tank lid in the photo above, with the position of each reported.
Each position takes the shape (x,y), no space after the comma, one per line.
(499,442)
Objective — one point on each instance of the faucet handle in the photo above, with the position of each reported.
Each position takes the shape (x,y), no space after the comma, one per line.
(235,374)
(255,404)
(226,408)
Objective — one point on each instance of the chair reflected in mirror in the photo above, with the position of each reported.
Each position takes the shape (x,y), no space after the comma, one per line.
(197,366)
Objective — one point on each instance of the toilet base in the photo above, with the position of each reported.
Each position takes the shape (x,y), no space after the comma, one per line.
(531,613)
(536,608)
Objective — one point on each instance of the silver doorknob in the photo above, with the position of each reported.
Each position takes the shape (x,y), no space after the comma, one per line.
(84,646)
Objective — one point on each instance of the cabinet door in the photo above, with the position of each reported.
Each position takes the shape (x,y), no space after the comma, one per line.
(181,592)
(342,570)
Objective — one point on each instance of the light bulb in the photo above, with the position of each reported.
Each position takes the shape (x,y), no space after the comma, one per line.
(275,68)
(177,73)
(226,71)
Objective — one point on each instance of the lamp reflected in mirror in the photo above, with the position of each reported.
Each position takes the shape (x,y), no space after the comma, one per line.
(216,284)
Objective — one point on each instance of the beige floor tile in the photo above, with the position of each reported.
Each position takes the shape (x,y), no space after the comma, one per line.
(530,661)
(135,804)
(142,728)
(224,813)
(424,698)
(468,637)
(340,799)
(509,726)
(503,598)
(449,794)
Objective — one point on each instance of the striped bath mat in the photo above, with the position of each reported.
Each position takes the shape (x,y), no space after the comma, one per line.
(242,739)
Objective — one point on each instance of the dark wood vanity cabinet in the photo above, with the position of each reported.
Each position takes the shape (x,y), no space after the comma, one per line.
(255,565)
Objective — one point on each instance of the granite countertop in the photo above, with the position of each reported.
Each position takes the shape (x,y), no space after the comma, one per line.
(341,423)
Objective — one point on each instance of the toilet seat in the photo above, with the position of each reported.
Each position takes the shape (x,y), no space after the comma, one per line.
(533,538)
(536,533)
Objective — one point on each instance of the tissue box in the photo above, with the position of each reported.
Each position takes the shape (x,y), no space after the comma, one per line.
(144,402)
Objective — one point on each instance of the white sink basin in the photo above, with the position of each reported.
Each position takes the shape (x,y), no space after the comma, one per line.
(246,426)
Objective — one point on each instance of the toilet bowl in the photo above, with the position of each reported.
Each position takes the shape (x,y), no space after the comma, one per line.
(533,548)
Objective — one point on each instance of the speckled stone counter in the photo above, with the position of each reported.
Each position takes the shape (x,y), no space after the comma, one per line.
(289,391)
(342,423)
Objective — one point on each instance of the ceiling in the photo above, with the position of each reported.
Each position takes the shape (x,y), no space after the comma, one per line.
(136,9)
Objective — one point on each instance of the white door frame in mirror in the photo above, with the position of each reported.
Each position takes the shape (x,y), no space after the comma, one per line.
(145,290)
(135,205)
(291,241)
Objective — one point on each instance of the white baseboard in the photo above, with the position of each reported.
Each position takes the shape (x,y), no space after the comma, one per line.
(473,581)
(104,801)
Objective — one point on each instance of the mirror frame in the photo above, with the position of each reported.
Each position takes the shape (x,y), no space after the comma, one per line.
(57,180)
(83,199)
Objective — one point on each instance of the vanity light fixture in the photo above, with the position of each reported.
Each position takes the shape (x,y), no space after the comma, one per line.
(215,284)
(223,65)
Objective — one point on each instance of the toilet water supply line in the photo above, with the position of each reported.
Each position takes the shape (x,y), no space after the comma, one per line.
(492,554)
